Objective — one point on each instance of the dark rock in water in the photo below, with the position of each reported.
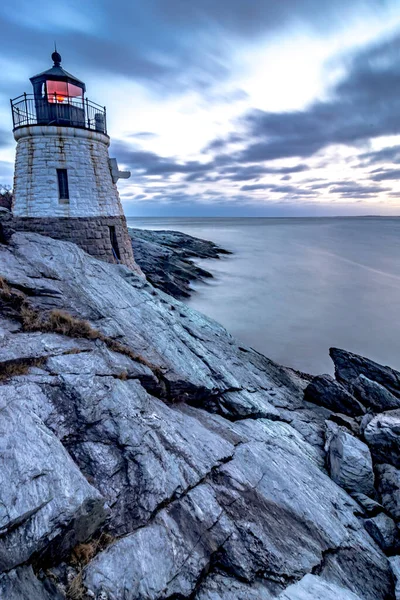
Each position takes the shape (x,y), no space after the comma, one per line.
(389,489)
(373,395)
(165,259)
(384,531)
(349,461)
(349,366)
(325,391)
(382,435)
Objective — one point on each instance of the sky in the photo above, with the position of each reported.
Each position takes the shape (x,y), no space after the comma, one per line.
(227,107)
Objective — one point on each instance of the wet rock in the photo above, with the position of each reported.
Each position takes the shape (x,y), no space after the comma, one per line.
(382,435)
(42,509)
(389,489)
(384,531)
(373,395)
(349,366)
(325,391)
(165,259)
(349,461)
(21,584)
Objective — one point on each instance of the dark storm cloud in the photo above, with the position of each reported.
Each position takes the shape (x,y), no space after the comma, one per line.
(363,105)
(172,43)
(387,175)
(391,154)
(356,188)
(150,163)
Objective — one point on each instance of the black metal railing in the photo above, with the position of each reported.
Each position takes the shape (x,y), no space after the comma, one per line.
(72,112)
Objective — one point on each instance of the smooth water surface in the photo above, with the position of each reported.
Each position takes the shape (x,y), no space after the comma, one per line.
(295,287)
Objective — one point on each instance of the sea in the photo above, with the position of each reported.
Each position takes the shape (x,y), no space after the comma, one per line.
(294,287)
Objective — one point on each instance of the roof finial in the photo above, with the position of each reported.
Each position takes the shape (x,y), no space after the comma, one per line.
(56,57)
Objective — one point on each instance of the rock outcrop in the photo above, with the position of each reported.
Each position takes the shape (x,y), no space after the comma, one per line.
(147,456)
(166,257)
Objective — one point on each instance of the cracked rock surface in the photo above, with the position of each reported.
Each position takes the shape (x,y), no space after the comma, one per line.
(199,462)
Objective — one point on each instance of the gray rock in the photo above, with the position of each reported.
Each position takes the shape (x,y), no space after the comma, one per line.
(252,519)
(369,506)
(139,452)
(165,258)
(395,564)
(373,395)
(349,366)
(43,509)
(21,584)
(315,588)
(384,531)
(389,489)
(349,461)
(220,587)
(325,391)
(382,435)
(195,487)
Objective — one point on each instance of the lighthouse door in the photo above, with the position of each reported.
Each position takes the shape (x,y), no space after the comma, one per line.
(114,243)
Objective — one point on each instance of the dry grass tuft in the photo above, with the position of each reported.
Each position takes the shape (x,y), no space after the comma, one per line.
(82,554)
(13,368)
(62,322)
(76,590)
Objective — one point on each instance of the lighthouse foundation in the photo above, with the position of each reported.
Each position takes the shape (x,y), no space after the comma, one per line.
(106,238)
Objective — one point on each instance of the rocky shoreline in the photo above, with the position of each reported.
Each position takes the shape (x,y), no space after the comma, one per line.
(165,259)
(147,455)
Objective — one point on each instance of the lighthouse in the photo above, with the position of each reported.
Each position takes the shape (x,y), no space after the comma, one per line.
(64,180)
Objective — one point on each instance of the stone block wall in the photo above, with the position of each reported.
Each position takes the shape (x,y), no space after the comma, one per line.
(41,150)
(92,234)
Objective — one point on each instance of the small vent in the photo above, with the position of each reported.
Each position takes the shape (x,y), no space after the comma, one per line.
(63,191)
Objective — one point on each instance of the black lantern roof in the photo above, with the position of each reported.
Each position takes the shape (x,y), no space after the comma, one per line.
(57,73)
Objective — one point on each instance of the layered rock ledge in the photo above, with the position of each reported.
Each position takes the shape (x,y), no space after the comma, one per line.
(166,257)
(146,455)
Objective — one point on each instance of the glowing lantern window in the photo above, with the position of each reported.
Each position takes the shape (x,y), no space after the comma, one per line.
(61,92)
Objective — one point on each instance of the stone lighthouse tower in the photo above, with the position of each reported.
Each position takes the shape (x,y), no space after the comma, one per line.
(65,182)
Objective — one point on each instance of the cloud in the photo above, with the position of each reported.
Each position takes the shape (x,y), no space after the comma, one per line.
(387,175)
(391,154)
(357,189)
(362,106)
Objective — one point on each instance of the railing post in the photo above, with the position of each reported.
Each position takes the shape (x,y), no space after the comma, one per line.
(26,109)
(87,113)
(105,120)
(12,112)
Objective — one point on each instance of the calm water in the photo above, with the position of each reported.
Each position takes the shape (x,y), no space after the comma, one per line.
(295,287)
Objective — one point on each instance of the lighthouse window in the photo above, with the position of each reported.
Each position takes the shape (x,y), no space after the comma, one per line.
(62,176)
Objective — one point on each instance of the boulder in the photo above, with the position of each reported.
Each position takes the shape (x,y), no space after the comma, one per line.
(349,366)
(349,460)
(46,504)
(389,489)
(325,391)
(382,435)
(384,531)
(373,395)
